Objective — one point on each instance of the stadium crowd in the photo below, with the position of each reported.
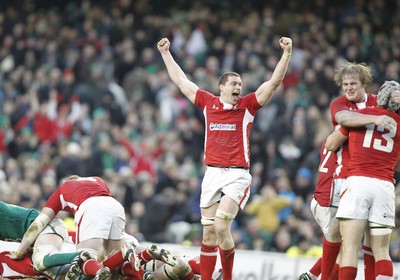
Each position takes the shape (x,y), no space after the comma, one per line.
(83,90)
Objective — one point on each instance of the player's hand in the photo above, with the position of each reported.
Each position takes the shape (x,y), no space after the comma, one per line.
(163,45)
(396,96)
(15,255)
(286,44)
(386,122)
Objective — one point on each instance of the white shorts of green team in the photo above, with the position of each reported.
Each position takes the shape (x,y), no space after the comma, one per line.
(100,217)
(43,246)
(57,226)
(369,199)
(233,182)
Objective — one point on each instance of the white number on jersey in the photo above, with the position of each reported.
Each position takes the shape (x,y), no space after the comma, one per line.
(377,143)
(322,167)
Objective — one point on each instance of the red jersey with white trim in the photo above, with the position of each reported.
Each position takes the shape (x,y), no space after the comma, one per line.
(338,104)
(374,151)
(326,169)
(227,128)
(70,195)
(17,269)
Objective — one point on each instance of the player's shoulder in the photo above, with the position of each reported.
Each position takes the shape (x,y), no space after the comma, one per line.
(206,93)
(372,99)
(248,100)
(339,99)
(338,102)
(205,97)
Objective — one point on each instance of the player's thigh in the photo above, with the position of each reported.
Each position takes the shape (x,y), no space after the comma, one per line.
(232,182)
(54,234)
(209,212)
(93,243)
(112,246)
(352,231)
(356,199)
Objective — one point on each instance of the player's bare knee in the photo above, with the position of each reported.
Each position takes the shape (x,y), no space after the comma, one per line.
(222,223)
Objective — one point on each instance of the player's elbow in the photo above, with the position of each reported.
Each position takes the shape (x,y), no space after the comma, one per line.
(342,118)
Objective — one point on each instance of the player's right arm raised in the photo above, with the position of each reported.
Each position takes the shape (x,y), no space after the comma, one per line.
(175,72)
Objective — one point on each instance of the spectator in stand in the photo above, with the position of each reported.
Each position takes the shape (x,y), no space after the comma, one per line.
(266,208)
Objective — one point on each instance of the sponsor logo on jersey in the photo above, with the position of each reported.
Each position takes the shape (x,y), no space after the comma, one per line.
(222,126)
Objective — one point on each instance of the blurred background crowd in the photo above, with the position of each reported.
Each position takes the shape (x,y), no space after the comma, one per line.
(83,90)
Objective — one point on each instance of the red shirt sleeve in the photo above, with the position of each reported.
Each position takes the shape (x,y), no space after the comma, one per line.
(54,201)
(344,130)
(338,104)
(202,97)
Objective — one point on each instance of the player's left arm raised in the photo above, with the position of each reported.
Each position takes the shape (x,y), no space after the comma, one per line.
(266,90)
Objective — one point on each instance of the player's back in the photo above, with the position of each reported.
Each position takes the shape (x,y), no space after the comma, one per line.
(15,220)
(72,193)
(374,151)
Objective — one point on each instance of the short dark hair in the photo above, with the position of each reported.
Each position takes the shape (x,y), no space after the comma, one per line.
(224,77)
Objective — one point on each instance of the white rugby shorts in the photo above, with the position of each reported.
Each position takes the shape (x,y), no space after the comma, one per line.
(322,215)
(233,182)
(335,191)
(100,217)
(56,226)
(369,199)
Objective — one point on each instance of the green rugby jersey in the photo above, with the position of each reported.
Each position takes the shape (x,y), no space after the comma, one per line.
(14,221)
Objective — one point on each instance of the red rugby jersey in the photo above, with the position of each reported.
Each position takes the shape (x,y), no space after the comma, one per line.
(339,104)
(227,128)
(72,193)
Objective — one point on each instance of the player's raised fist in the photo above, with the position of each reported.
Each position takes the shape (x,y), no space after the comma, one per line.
(286,44)
(163,45)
